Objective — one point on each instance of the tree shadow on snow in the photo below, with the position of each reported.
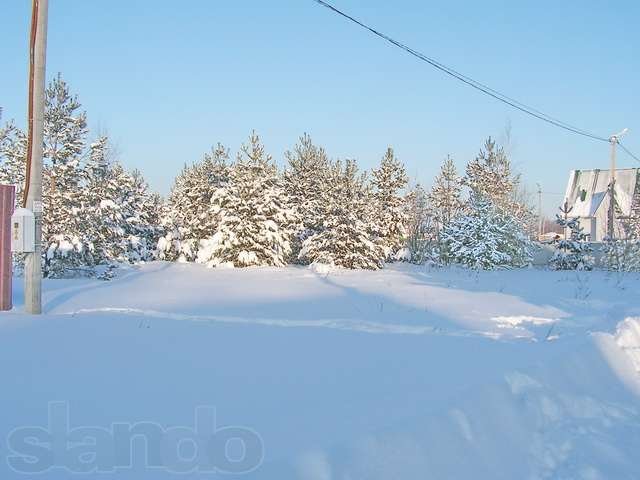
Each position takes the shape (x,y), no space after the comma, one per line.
(91,285)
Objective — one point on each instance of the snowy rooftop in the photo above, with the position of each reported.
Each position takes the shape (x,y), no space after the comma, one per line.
(587,189)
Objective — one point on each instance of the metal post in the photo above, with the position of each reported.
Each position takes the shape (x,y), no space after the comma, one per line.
(33,266)
(613,140)
(540,220)
(612,194)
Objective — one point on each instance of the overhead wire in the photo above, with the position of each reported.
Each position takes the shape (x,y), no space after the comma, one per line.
(474,83)
(629,152)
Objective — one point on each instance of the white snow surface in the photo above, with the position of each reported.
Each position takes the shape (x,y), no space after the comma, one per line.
(407,372)
(628,339)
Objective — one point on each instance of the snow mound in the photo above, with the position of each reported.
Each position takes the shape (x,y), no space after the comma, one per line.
(628,339)
(323,268)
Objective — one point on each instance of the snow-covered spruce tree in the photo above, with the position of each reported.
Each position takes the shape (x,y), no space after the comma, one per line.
(485,237)
(66,247)
(188,219)
(345,239)
(388,181)
(421,227)
(305,182)
(574,252)
(255,223)
(445,197)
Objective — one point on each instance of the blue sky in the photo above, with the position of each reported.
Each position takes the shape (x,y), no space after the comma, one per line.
(167,79)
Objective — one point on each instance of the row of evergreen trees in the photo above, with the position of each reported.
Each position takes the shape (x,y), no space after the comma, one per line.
(327,211)
(245,212)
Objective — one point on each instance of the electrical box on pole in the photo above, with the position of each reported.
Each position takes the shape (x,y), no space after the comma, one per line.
(23,231)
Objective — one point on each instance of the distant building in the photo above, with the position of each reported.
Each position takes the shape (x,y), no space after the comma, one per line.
(548,237)
(588,195)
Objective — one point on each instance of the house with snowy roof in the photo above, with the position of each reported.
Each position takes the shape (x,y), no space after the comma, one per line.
(588,197)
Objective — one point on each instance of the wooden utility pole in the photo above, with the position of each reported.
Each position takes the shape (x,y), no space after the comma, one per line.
(33,193)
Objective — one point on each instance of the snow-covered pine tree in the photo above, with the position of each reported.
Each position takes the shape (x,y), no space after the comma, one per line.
(189,219)
(177,242)
(621,254)
(101,212)
(95,212)
(148,227)
(574,252)
(65,244)
(13,152)
(99,159)
(65,126)
(255,223)
(120,213)
(139,226)
(445,197)
(212,174)
(345,239)
(305,182)
(421,228)
(489,175)
(485,237)
(388,181)
(64,247)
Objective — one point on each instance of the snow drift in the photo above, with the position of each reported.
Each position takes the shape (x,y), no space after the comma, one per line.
(401,373)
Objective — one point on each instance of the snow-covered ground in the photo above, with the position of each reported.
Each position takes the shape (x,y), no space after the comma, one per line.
(404,373)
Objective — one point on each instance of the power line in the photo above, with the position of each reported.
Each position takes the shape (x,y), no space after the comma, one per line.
(473,83)
(629,152)
(467,80)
